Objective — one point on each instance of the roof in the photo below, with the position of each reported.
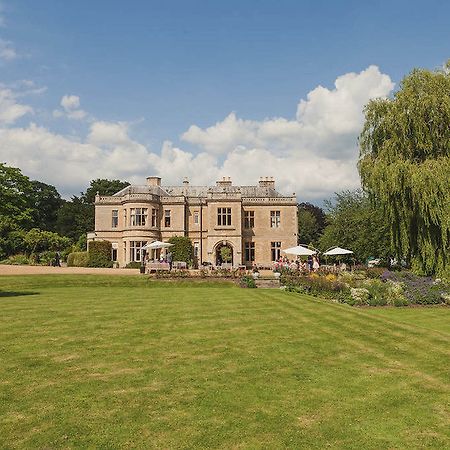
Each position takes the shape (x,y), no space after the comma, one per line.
(200,191)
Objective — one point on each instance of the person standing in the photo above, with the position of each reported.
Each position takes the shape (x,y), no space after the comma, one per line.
(315,264)
(169,260)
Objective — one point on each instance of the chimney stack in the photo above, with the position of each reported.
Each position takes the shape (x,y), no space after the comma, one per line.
(153,181)
(267,182)
(225,181)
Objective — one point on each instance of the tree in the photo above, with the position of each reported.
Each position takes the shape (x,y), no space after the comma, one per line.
(15,192)
(37,241)
(182,249)
(103,187)
(46,202)
(405,166)
(355,224)
(76,217)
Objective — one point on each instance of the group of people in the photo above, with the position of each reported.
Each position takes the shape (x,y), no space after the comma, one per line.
(312,264)
(167,258)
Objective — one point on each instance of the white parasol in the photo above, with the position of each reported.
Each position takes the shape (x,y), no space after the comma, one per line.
(337,251)
(156,245)
(299,251)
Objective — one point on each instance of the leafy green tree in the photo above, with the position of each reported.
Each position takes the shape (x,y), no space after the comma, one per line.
(103,187)
(405,166)
(182,249)
(37,241)
(15,193)
(225,254)
(311,222)
(46,202)
(75,218)
(11,237)
(355,224)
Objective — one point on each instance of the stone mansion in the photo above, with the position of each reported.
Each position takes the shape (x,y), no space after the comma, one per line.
(255,222)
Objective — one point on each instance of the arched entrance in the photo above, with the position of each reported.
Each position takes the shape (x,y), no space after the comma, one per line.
(224,253)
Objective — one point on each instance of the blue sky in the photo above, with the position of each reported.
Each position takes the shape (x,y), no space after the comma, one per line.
(154,69)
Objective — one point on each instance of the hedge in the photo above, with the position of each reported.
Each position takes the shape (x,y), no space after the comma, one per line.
(78,259)
(100,254)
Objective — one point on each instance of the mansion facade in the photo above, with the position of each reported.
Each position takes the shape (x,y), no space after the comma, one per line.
(254,222)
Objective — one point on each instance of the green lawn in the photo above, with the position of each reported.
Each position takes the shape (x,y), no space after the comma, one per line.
(122,362)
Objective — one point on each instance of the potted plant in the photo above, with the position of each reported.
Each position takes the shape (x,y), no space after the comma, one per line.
(255,272)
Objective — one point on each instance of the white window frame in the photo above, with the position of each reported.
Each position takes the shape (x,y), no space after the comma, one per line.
(138,217)
(275,219)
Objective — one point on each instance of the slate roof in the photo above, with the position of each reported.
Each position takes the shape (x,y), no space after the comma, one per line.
(200,191)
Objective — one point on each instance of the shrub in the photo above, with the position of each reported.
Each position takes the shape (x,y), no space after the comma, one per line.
(100,254)
(178,273)
(133,265)
(182,249)
(45,258)
(78,259)
(375,272)
(360,296)
(247,281)
(17,260)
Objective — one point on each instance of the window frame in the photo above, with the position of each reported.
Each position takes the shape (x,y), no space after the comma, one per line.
(154,218)
(275,219)
(249,251)
(138,217)
(224,216)
(114,218)
(249,219)
(167,218)
(275,248)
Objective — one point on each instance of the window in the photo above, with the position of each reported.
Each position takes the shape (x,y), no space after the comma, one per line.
(274,219)
(135,250)
(196,217)
(224,216)
(276,249)
(195,249)
(114,249)
(249,251)
(138,216)
(166,218)
(249,219)
(115,218)
(154,217)
(125,217)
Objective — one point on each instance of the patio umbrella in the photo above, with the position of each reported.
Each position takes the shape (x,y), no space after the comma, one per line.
(299,251)
(156,245)
(337,251)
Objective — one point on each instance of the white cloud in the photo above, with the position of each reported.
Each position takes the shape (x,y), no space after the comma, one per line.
(7,50)
(313,154)
(10,109)
(71,108)
(70,102)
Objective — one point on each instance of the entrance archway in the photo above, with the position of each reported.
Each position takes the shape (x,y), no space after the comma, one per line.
(224,253)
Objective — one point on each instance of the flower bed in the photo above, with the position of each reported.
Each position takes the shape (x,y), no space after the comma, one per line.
(369,287)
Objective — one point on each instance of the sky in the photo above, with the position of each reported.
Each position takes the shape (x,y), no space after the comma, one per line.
(204,89)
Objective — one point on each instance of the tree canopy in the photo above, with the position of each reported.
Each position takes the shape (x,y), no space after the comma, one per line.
(356,224)
(311,223)
(405,166)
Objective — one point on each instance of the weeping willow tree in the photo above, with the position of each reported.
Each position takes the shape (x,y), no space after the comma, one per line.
(405,166)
